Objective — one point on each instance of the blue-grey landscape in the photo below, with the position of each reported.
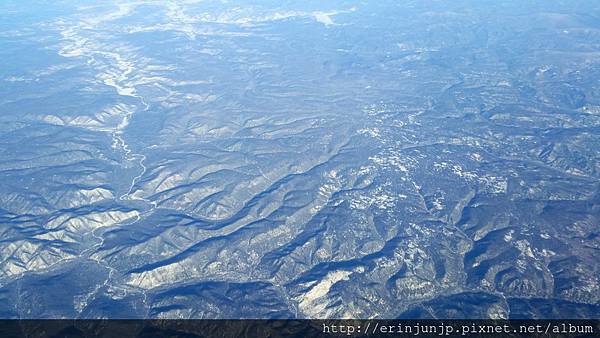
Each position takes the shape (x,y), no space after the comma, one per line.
(299,159)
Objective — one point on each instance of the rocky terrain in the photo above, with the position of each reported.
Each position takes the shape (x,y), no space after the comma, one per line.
(300,159)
